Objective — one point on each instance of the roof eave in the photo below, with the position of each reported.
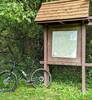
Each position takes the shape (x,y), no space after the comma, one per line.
(61,20)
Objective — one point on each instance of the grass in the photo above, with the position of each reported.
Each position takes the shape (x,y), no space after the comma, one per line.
(65,86)
(57,91)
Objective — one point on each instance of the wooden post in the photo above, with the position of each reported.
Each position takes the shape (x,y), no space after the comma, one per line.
(46,53)
(83,58)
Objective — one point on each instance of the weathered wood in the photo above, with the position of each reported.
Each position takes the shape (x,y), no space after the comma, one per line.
(63,10)
(88,64)
(86,19)
(83,58)
(62,60)
(60,63)
(46,54)
(63,20)
(90,23)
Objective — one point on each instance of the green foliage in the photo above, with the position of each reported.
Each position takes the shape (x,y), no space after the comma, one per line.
(90,7)
(67,74)
(66,89)
(89,55)
(89,45)
(17,21)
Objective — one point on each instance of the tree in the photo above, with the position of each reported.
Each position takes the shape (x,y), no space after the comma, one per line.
(17,20)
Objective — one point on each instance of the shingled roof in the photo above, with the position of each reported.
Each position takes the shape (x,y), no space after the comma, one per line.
(63,9)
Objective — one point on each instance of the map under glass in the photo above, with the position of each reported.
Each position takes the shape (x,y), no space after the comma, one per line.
(64,44)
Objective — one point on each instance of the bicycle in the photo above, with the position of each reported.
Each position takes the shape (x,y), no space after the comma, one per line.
(9,79)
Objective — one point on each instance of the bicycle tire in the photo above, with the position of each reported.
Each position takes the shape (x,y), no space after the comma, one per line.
(8,81)
(38,75)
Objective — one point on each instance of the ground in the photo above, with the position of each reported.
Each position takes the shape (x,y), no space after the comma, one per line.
(57,91)
(66,85)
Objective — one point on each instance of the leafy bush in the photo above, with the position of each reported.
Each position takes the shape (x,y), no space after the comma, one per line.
(17,22)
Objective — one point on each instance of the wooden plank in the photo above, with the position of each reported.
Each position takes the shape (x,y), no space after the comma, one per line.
(63,16)
(89,22)
(60,63)
(88,64)
(83,58)
(73,7)
(58,1)
(64,20)
(46,54)
(45,47)
(60,10)
(62,5)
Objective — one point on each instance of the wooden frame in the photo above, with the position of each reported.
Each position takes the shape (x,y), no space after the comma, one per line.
(46,67)
(83,57)
(65,61)
(82,49)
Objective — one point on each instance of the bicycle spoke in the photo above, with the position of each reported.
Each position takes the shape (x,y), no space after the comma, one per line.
(38,78)
(7,81)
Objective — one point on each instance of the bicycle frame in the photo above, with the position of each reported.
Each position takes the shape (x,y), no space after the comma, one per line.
(12,75)
(21,72)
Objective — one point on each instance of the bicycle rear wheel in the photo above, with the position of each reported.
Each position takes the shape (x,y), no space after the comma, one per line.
(37,78)
(8,81)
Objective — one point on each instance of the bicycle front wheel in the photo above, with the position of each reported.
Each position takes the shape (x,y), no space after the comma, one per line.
(8,81)
(38,78)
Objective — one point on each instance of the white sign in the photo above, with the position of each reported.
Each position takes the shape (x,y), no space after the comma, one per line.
(64,44)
